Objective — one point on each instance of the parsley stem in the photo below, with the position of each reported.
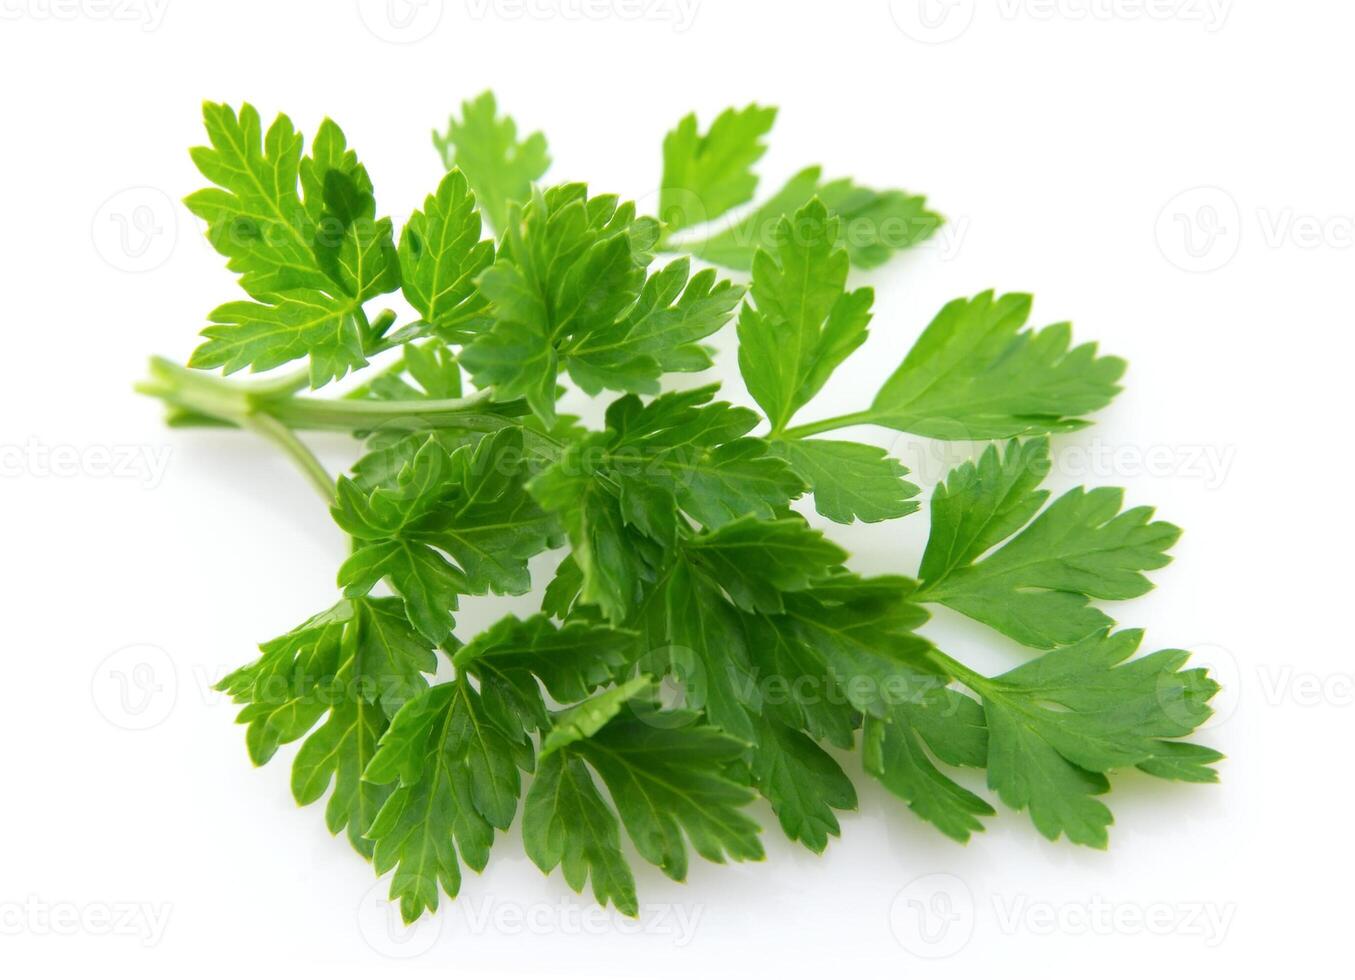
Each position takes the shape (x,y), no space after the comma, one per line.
(286,440)
(232,401)
(169,378)
(969,678)
(828,425)
(348,415)
(242,404)
(272,409)
(475,413)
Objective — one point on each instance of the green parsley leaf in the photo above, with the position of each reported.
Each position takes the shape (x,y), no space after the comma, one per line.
(798,690)
(470,505)
(1183,761)
(566,823)
(586,719)
(1059,723)
(1037,585)
(864,632)
(610,559)
(485,146)
(803,783)
(352,245)
(756,561)
(562,592)
(357,663)
(442,255)
(876,224)
(309,262)
(255,215)
(263,335)
(458,782)
(691,632)
(354,248)
(804,323)
(896,754)
(424,371)
(974,374)
(659,333)
(514,657)
(695,449)
(339,750)
(669,777)
(569,292)
(618,493)
(850,481)
(706,174)
(672,779)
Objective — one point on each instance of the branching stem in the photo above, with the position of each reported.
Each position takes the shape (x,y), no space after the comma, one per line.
(272,409)
(828,425)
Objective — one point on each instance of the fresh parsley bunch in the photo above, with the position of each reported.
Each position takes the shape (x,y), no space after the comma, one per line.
(684,557)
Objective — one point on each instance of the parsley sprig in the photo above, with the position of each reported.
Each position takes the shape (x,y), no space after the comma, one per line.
(684,564)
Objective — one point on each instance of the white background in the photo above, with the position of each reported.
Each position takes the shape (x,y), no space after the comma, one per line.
(1064,140)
